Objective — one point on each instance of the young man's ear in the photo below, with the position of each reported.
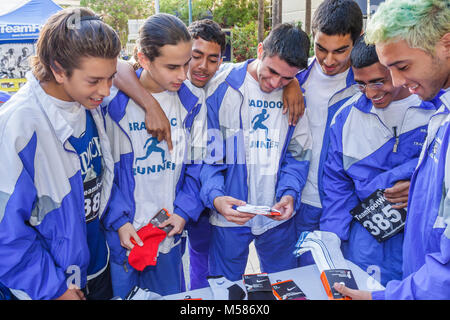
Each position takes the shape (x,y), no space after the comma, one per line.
(143,60)
(444,44)
(260,51)
(58,72)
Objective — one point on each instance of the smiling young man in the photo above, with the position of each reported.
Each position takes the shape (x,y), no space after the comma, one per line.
(254,165)
(375,143)
(208,47)
(412,39)
(57,192)
(327,84)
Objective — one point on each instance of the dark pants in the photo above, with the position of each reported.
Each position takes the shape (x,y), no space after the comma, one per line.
(99,288)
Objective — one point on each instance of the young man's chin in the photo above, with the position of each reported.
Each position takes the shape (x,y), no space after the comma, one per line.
(92,103)
(199,82)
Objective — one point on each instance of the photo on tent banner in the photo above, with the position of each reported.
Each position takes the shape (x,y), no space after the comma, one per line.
(14,59)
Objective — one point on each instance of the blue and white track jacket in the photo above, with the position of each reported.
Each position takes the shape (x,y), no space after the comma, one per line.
(426,245)
(225,172)
(360,161)
(334,104)
(42,217)
(187,203)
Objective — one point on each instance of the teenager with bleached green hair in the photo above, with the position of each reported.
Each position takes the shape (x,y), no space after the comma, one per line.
(412,38)
(420,23)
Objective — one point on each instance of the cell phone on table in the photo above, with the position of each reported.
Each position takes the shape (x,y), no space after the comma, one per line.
(159,218)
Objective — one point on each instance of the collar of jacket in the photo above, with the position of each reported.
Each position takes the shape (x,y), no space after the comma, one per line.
(365,105)
(442,101)
(62,129)
(237,76)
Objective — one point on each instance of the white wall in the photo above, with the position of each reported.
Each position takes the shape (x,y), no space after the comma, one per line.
(294,10)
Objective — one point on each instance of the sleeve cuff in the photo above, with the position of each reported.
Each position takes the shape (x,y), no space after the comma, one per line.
(213,195)
(183,215)
(120,222)
(293,194)
(290,192)
(61,290)
(378,295)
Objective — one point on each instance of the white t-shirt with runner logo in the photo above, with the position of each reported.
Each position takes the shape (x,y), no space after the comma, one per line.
(156,170)
(261,117)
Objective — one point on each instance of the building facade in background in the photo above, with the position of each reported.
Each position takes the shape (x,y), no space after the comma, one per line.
(295,10)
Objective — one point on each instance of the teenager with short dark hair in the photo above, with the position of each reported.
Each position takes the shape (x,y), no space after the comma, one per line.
(208,48)
(328,85)
(256,157)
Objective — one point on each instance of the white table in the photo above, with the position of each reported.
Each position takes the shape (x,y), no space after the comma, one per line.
(307,278)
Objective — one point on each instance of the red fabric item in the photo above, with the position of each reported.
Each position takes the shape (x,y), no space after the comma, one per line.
(141,257)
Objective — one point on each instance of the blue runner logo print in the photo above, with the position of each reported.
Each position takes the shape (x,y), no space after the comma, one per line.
(257,123)
(153,147)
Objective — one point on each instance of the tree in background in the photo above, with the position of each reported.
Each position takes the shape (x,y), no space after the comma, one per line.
(239,15)
(116,13)
(242,17)
(200,9)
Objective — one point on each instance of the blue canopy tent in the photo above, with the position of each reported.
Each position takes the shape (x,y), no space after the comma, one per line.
(19,30)
(25,22)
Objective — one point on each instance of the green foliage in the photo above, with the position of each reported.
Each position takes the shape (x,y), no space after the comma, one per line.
(239,15)
(245,41)
(230,13)
(117,12)
(200,9)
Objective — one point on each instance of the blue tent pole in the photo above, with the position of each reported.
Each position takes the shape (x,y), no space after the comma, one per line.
(190,11)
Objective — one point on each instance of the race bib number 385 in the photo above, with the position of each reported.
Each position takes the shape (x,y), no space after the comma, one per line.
(376,214)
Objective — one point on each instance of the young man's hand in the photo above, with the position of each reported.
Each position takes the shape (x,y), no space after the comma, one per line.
(286,206)
(126,232)
(177,222)
(398,193)
(73,293)
(156,121)
(352,293)
(224,205)
(293,101)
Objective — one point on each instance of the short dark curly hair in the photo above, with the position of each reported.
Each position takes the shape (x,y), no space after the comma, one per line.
(208,30)
(290,43)
(363,55)
(338,17)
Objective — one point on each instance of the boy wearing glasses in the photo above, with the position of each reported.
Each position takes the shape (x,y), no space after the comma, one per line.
(375,143)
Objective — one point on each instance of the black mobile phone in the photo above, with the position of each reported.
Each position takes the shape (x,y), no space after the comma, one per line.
(159,218)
